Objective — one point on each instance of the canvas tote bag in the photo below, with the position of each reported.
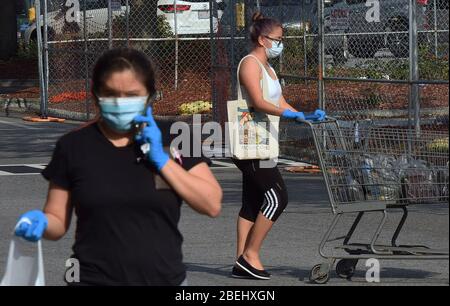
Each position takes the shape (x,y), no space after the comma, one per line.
(252,134)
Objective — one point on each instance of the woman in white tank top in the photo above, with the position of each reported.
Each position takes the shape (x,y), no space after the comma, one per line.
(264,192)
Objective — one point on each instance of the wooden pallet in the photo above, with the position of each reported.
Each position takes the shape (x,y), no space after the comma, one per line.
(303,169)
(39,119)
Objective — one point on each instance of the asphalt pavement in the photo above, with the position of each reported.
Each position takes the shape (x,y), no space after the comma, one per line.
(289,252)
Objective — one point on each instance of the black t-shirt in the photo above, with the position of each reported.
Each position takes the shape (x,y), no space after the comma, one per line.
(127,217)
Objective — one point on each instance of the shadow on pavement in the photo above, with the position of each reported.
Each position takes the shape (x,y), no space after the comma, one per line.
(226,270)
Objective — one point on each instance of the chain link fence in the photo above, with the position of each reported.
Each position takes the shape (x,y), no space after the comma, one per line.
(174,34)
(391,56)
(378,62)
(367,62)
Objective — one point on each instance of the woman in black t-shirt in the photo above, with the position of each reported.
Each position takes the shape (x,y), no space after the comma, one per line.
(126,191)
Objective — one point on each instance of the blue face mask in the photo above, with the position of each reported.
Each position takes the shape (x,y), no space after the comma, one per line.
(275,51)
(119,113)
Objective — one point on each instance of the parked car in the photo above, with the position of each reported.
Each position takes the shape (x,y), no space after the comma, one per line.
(348,17)
(96,17)
(193,16)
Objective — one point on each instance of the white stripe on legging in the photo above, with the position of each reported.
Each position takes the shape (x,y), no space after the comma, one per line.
(276,204)
(272,207)
(269,204)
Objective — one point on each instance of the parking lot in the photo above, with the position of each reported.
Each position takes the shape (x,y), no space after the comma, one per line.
(289,252)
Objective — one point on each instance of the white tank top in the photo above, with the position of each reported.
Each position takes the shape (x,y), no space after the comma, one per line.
(274,87)
(275,92)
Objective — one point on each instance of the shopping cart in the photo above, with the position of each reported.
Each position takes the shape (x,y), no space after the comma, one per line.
(376,170)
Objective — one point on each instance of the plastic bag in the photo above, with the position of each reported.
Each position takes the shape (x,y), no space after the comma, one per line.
(418,182)
(347,189)
(346,186)
(380,176)
(25,264)
(354,190)
(443,182)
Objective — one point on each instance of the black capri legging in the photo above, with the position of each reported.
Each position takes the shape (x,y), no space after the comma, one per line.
(263,190)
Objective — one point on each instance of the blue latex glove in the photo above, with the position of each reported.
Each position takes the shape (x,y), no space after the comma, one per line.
(151,134)
(288,114)
(32,225)
(322,115)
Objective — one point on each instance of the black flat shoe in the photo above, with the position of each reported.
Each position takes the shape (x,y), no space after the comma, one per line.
(237,272)
(255,273)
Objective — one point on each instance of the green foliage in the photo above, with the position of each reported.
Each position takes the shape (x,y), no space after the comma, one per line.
(431,67)
(143,23)
(29,51)
(164,29)
(372,97)
(297,50)
(157,28)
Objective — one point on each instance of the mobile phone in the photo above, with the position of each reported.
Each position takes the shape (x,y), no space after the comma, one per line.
(145,147)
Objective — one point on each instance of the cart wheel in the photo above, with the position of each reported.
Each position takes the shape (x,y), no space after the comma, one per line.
(345,268)
(318,277)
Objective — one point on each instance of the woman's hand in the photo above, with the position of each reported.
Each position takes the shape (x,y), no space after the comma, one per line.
(151,134)
(289,114)
(321,114)
(32,225)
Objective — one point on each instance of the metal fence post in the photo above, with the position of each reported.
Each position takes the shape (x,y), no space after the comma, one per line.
(304,40)
(127,22)
(175,20)
(45,51)
(213,61)
(232,53)
(86,60)
(110,30)
(250,8)
(414,99)
(435,29)
(42,90)
(305,56)
(321,55)
(280,4)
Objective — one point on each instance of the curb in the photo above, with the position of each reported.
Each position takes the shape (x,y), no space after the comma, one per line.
(19,83)
(34,106)
(392,113)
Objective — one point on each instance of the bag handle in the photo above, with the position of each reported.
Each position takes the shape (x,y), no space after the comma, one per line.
(265,81)
(22,270)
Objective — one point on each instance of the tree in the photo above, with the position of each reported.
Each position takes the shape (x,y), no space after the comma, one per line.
(143,19)
(8,29)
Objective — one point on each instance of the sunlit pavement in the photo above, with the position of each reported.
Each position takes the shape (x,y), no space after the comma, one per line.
(289,252)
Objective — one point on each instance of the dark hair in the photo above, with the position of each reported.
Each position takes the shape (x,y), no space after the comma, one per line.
(118,60)
(262,26)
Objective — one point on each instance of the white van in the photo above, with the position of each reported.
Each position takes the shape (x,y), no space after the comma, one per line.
(193,17)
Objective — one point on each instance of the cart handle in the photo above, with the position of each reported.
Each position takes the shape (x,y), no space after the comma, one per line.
(312,117)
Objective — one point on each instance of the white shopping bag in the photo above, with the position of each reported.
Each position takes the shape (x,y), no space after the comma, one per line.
(25,264)
(253,135)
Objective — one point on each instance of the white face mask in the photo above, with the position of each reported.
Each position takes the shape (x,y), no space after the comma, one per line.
(275,51)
